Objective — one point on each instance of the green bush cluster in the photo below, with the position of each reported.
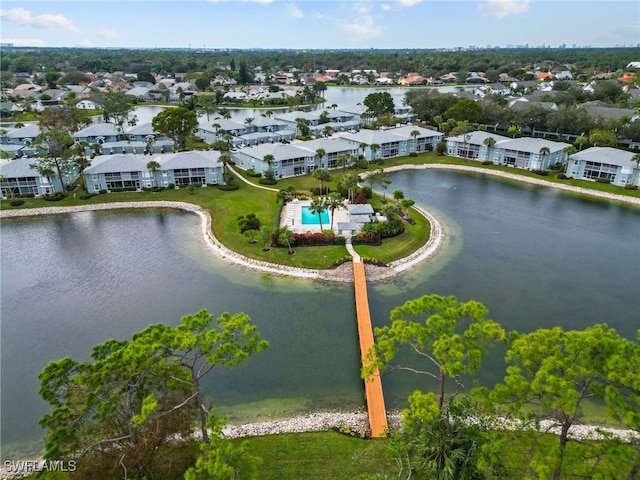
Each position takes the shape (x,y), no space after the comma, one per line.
(54,197)
(267,181)
(16,202)
(252,173)
(603,180)
(228,188)
(542,173)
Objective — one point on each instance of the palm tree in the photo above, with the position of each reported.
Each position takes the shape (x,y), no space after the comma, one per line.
(227,138)
(321,152)
(268,159)
(327,131)
(543,152)
(225,158)
(286,237)
(489,142)
(363,146)
(568,150)
(334,201)
(415,134)
(153,166)
(225,113)
(216,127)
(351,183)
(249,121)
(267,114)
(322,175)
(374,149)
(406,204)
(384,184)
(342,160)
(398,195)
(319,206)
(580,142)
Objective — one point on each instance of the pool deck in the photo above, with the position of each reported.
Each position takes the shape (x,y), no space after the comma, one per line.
(292,218)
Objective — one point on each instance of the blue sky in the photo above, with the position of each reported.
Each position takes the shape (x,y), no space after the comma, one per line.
(319,24)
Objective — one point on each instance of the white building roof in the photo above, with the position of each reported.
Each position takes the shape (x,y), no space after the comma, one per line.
(612,156)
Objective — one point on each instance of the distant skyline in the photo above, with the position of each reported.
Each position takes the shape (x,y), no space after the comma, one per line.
(307,24)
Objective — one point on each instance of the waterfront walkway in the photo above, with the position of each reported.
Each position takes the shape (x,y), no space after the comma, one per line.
(373,385)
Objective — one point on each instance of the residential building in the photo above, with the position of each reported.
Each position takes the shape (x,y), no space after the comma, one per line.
(333,148)
(612,164)
(527,153)
(131,171)
(394,142)
(19,178)
(287,160)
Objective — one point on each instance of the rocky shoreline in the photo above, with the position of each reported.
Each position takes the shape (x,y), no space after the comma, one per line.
(344,272)
(355,424)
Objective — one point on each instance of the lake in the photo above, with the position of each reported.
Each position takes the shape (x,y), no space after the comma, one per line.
(534,256)
(341,96)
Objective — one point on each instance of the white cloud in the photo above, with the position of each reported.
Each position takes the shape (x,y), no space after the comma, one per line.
(363,28)
(386,7)
(294,11)
(25,42)
(409,3)
(503,8)
(22,16)
(107,34)
(85,43)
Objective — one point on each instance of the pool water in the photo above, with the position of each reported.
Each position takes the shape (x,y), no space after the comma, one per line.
(309,218)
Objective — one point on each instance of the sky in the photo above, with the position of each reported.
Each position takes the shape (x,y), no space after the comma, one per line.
(330,24)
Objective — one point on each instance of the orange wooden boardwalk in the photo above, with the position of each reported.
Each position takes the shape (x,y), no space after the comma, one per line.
(373,385)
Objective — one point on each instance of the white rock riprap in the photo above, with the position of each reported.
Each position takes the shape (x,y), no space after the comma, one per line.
(212,242)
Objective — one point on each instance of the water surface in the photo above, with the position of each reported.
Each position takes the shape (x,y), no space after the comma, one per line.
(534,256)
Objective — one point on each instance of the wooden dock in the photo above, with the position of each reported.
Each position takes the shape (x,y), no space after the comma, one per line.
(373,385)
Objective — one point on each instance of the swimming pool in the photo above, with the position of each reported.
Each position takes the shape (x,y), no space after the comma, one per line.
(309,218)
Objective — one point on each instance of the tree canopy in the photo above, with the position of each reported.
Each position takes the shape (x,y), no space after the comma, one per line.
(380,103)
(121,408)
(176,123)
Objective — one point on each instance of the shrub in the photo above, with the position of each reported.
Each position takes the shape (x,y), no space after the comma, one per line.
(413,154)
(603,180)
(27,195)
(252,173)
(367,191)
(561,176)
(362,164)
(228,188)
(340,241)
(487,162)
(630,186)
(102,191)
(542,173)
(54,197)
(86,196)
(267,181)
(16,202)
(171,186)
(380,161)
